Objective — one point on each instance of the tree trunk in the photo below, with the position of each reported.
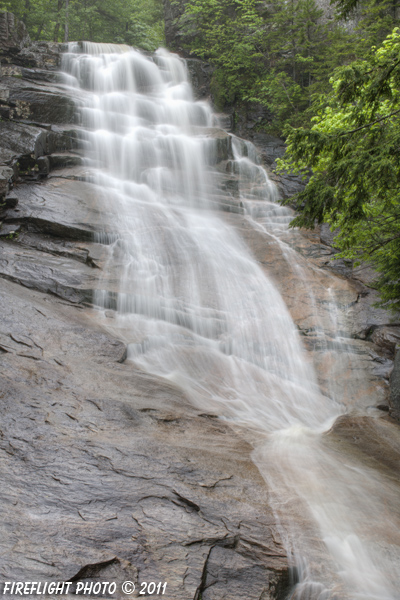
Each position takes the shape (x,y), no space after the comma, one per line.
(57,25)
(56,30)
(27,8)
(66,26)
(39,31)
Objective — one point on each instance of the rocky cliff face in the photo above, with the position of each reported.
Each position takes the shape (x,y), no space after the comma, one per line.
(243,120)
(108,473)
(13,34)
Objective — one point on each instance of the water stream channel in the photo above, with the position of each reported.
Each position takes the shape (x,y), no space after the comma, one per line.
(195,307)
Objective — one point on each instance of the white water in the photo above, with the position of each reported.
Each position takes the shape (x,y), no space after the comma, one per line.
(196,308)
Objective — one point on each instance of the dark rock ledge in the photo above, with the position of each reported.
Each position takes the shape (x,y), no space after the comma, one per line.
(107,474)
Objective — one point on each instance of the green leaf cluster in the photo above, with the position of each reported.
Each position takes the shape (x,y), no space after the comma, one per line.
(352,151)
(275,54)
(281,53)
(135,22)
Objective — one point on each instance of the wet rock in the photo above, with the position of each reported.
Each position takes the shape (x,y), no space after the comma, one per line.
(21,142)
(11,201)
(43,163)
(59,207)
(288,184)
(39,75)
(271,148)
(4,94)
(383,368)
(313,295)
(327,235)
(230,184)
(367,316)
(249,117)
(200,77)
(7,202)
(62,138)
(365,274)
(18,51)
(9,231)
(28,100)
(88,253)
(114,490)
(221,148)
(376,439)
(82,173)
(133,482)
(395,388)
(66,159)
(6,177)
(224,120)
(232,575)
(226,204)
(40,55)
(13,34)
(64,278)
(341,266)
(387,338)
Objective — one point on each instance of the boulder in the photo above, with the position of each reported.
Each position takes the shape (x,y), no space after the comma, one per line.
(35,102)
(6,176)
(270,148)
(17,49)
(327,236)
(61,208)
(40,55)
(387,337)
(13,34)
(22,145)
(21,142)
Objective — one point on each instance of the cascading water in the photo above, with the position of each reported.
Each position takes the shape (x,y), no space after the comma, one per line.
(195,307)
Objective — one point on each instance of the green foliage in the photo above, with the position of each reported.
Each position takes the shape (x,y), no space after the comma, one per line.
(279,53)
(226,33)
(376,17)
(343,131)
(376,20)
(135,22)
(275,54)
(346,8)
(353,150)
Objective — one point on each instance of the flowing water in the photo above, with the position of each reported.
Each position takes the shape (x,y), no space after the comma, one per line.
(196,308)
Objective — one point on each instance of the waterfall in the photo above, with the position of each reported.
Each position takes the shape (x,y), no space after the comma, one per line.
(194,306)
